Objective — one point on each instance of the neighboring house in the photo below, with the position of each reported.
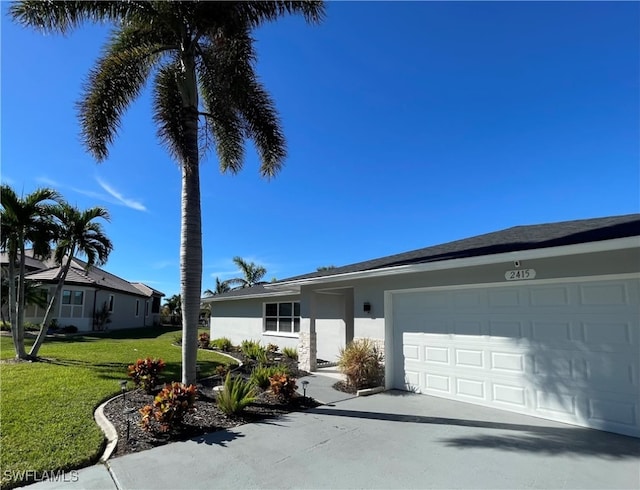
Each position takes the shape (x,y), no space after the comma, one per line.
(541,320)
(84,293)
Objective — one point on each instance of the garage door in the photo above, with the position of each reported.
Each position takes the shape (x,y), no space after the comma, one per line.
(561,351)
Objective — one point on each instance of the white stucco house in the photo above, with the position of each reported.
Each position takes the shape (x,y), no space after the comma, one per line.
(86,290)
(541,320)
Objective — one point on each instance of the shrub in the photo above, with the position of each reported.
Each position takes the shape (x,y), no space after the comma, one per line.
(361,362)
(253,350)
(235,395)
(69,329)
(34,327)
(177,339)
(203,340)
(290,352)
(145,373)
(223,344)
(169,406)
(261,374)
(5,327)
(222,370)
(272,348)
(283,386)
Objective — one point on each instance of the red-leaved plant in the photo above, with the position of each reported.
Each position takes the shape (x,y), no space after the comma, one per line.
(145,373)
(169,406)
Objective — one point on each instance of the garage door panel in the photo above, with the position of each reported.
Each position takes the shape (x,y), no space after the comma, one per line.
(568,352)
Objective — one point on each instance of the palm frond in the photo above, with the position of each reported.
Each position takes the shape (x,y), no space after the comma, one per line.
(115,81)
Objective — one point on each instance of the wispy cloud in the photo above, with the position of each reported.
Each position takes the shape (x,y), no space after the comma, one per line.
(163,264)
(125,201)
(47,181)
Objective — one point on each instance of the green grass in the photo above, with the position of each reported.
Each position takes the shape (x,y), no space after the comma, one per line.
(46,408)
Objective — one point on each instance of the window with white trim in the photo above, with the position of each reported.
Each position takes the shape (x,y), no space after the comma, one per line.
(282,317)
(72,303)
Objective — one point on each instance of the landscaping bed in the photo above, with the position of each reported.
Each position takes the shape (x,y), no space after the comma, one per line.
(124,412)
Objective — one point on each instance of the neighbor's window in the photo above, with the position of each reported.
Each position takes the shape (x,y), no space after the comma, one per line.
(72,303)
(155,305)
(146,308)
(137,307)
(282,317)
(111,303)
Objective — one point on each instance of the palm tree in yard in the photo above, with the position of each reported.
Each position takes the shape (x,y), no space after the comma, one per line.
(221,287)
(202,60)
(24,221)
(77,234)
(252,274)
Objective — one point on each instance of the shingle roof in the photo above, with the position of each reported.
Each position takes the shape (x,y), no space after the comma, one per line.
(94,276)
(257,290)
(513,239)
(146,290)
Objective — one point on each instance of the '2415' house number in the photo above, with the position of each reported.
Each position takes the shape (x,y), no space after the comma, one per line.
(520,274)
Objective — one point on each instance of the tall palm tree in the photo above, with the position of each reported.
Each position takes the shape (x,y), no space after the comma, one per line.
(23,220)
(203,60)
(252,274)
(77,233)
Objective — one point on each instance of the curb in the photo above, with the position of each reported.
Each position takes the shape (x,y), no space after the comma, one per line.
(108,429)
(370,391)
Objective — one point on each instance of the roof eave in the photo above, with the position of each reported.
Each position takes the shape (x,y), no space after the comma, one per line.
(529,254)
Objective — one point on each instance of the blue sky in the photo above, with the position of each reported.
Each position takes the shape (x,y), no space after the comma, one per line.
(408,125)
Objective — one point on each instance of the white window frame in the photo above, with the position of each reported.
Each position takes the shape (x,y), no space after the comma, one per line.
(293,317)
(73,307)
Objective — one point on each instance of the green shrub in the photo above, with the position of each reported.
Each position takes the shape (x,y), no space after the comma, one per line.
(223,344)
(203,340)
(177,339)
(145,373)
(290,352)
(283,386)
(361,362)
(253,350)
(272,348)
(69,329)
(222,370)
(169,406)
(261,374)
(235,395)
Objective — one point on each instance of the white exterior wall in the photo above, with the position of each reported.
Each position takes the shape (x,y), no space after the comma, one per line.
(242,319)
(330,327)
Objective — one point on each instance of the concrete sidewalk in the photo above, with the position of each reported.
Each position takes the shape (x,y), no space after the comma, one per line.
(390,440)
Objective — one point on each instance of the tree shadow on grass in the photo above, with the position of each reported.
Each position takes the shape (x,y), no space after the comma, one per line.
(527,438)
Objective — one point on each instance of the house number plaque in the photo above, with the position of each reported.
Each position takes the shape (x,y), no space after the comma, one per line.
(520,274)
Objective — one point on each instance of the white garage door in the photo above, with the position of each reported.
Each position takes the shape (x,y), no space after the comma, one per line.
(562,351)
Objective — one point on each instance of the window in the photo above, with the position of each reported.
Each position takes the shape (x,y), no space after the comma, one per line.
(155,306)
(282,317)
(111,303)
(72,304)
(146,308)
(137,307)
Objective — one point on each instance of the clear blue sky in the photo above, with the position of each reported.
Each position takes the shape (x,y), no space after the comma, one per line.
(408,125)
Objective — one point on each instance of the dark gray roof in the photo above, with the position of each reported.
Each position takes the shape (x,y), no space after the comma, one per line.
(147,290)
(513,239)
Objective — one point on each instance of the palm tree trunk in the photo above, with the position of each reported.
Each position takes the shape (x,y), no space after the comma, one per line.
(19,335)
(191,224)
(52,303)
(13,304)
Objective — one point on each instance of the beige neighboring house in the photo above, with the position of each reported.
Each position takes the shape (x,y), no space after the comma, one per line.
(540,319)
(85,291)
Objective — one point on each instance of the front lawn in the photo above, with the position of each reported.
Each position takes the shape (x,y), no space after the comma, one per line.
(46,408)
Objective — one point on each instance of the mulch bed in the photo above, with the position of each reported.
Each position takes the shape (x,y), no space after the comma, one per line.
(123,413)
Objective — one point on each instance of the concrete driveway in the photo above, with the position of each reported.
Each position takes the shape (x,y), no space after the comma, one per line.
(390,440)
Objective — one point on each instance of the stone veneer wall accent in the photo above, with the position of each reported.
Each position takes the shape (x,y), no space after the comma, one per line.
(307,351)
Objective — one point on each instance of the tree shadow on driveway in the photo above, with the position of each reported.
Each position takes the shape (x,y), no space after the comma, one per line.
(528,438)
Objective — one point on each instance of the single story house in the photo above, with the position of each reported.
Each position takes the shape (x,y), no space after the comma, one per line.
(86,290)
(541,320)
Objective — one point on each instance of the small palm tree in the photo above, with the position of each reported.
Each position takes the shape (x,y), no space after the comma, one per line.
(201,57)
(24,220)
(221,287)
(252,274)
(174,305)
(78,233)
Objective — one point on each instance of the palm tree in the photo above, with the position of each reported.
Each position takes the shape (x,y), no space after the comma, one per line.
(203,58)
(78,233)
(252,274)
(174,305)
(23,220)
(221,287)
